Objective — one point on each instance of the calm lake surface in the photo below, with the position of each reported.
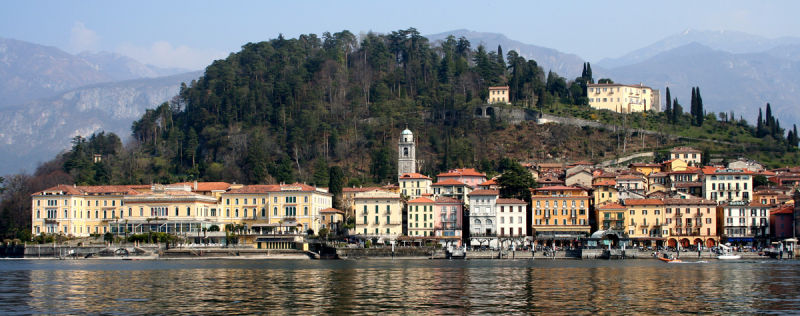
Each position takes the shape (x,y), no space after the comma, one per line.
(400,286)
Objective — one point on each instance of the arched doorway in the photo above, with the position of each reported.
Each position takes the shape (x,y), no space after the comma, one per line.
(685,243)
(711,243)
(489,111)
(697,242)
(672,243)
(613,239)
(479,112)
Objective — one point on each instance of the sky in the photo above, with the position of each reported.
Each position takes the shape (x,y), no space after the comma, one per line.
(190,34)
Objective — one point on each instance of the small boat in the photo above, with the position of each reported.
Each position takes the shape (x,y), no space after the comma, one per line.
(729,257)
(668,260)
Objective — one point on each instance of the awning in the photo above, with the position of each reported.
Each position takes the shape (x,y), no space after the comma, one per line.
(740,239)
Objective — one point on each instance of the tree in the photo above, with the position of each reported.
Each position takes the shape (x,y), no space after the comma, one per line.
(336,183)
(321,176)
(605,81)
(668,109)
(516,182)
(760,180)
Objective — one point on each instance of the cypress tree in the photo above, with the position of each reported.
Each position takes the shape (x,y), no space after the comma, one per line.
(589,72)
(769,119)
(796,138)
(693,107)
(700,112)
(668,109)
(759,125)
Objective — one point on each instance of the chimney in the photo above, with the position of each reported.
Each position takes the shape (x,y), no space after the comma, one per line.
(195,185)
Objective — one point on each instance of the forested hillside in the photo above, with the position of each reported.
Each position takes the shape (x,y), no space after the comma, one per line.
(286,109)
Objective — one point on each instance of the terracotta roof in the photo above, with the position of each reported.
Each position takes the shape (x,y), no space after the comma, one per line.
(421,200)
(688,184)
(551,165)
(208,186)
(414,175)
(361,189)
(331,210)
(640,164)
(638,202)
(658,174)
(786,209)
(255,189)
(465,172)
(484,192)
(629,177)
(68,189)
(611,206)
(581,163)
(511,201)
(489,182)
(687,171)
(605,183)
(688,202)
(712,171)
(444,199)
(449,182)
(499,88)
(124,189)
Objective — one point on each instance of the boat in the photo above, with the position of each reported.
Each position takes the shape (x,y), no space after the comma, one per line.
(455,253)
(668,260)
(726,253)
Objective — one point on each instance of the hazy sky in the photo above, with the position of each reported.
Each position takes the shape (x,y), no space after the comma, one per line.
(190,34)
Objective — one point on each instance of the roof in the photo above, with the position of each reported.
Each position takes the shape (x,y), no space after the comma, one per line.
(414,175)
(449,182)
(484,192)
(688,202)
(208,186)
(67,189)
(511,201)
(649,165)
(331,210)
(489,182)
(264,188)
(462,172)
(125,189)
(605,183)
(629,177)
(617,85)
(786,209)
(406,132)
(684,149)
(550,165)
(713,170)
(611,206)
(360,189)
(499,88)
(421,200)
(640,202)
(444,199)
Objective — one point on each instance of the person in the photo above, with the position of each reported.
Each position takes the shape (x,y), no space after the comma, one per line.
(698,252)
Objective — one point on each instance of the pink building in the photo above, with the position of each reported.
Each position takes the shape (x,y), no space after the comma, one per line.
(447,215)
(468,176)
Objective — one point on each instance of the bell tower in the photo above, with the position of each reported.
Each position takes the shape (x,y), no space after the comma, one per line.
(406,161)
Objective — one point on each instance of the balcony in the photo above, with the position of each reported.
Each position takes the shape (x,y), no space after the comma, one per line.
(643,225)
(678,215)
(50,221)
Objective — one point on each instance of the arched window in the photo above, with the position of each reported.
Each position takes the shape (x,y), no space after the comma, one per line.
(477,222)
(489,222)
(405,152)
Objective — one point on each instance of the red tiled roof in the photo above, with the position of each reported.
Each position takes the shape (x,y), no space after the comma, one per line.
(414,175)
(511,201)
(449,182)
(421,200)
(255,189)
(361,189)
(467,172)
(629,177)
(68,189)
(489,182)
(688,202)
(646,165)
(207,186)
(484,192)
(605,183)
(786,209)
(331,210)
(634,202)
(611,206)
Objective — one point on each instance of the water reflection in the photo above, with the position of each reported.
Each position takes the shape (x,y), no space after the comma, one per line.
(414,286)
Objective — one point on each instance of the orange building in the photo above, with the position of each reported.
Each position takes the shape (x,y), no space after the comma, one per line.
(560,214)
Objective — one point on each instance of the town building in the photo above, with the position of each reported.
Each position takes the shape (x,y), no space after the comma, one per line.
(623,98)
(482,212)
(645,168)
(781,222)
(498,95)
(611,216)
(727,185)
(414,185)
(421,217)
(448,220)
(646,222)
(173,209)
(582,178)
(605,191)
(560,215)
(511,217)
(453,189)
(332,219)
(745,164)
(675,165)
(468,176)
(744,223)
(691,221)
(688,154)
(379,214)
(276,208)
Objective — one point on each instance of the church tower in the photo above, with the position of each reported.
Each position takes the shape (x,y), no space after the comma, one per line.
(406,162)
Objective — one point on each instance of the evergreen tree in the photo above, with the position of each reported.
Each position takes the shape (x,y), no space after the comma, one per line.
(500,57)
(759,124)
(589,73)
(677,111)
(700,111)
(668,109)
(336,183)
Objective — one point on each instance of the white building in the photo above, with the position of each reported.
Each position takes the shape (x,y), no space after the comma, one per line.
(511,216)
(727,185)
(745,224)
(482,212)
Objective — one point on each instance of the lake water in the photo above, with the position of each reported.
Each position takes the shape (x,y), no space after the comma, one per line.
(399,286)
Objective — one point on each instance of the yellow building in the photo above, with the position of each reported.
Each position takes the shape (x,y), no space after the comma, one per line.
(605,191)
(687,154)
(420,217)
(675,165)
(498,95)
(611,216)
(379,213)
(280,207)
(623,98)
(414,185)
(79,210)
(332,219)
(645,168)
(173,209)
(645,222)
(691,222)
(560,214)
